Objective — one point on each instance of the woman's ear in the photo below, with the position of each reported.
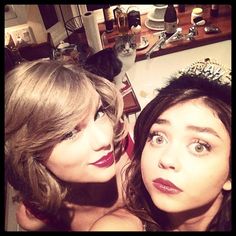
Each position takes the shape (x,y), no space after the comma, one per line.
(227,185)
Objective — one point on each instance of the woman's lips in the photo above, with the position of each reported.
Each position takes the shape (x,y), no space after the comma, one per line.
(165,186)
(105,161)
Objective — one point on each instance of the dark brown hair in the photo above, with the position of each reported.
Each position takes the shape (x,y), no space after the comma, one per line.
(186,87)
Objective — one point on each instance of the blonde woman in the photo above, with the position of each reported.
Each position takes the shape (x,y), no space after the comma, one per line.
(66,145)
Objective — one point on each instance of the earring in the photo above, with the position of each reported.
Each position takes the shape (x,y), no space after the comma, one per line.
(227,185)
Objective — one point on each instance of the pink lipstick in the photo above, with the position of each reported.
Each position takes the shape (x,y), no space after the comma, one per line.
(165,186)
(105,161)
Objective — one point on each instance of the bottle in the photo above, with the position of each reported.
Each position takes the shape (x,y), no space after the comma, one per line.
(196,15)
(133,16)
(108,17)
(170,20)
(214,10)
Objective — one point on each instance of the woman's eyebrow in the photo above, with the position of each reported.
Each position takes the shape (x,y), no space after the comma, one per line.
(162,121)
(192,127)
(204,130)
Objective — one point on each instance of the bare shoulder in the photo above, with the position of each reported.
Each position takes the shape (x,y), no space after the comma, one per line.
(26,220)
(119,220)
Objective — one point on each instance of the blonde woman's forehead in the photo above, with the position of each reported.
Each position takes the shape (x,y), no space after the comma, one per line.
(95,101)
(90,102)
(94,104)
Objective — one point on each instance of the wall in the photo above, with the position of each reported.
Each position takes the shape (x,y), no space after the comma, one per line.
(29,15)
(21,16)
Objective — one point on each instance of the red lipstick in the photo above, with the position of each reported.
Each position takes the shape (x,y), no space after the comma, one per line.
(105,161)
(165,186)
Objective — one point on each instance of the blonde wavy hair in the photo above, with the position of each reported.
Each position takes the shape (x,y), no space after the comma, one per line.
(43,101)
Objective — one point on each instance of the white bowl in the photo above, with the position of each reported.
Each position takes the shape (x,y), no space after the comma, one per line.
(157,13)
(154,25)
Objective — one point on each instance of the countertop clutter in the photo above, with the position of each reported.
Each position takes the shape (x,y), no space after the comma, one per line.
(222,21)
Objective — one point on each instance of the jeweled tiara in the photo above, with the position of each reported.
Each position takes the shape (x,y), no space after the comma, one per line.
(210,69)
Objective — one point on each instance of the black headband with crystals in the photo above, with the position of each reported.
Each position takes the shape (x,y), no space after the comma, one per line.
(207,76)
(209,69)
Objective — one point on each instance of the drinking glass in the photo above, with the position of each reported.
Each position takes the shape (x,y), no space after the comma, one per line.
(122,23)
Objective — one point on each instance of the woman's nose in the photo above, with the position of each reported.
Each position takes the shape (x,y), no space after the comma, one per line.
(170,159)
(99,138)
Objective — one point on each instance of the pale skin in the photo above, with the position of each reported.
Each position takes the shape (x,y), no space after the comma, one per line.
(186,146)
(87,143)
(26,220)
(119,220)
(71,160)
(189,146)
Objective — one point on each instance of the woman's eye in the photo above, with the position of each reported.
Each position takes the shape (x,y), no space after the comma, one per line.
(71,135)
(100,113)
(157,138)
(200,147)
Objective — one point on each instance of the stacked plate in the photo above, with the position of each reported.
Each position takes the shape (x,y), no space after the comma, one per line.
(155,18)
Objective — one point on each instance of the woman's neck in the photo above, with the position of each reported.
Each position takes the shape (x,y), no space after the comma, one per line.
(121,166)
(93,194)
(196,219)
(88,202)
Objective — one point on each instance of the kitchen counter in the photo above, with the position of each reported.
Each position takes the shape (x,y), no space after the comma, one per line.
(223,21)
(146,76)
